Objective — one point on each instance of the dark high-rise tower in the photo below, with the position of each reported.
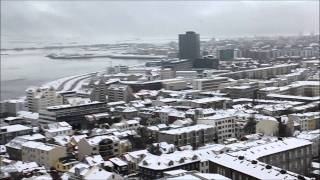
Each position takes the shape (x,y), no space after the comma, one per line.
(189,45)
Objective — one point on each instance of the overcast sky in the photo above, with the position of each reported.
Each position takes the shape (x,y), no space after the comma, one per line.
(98,19)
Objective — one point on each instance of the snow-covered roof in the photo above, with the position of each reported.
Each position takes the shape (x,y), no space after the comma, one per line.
(186,129)
(118,161)
(209,100)
(257,169)
(94,160)
(39,145)
(97,139)
(272,148)
(14,128)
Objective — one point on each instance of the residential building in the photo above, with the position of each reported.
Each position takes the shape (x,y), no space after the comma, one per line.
(196,135)
(209,84)
(42,97)
(57,129)
(174,84)
(12,107)
(166,73)
(308,121)
(240,168)
(153,166)
(224,123)
(43,154)
(106,145)
(9,132)
(287,153)
(119,92)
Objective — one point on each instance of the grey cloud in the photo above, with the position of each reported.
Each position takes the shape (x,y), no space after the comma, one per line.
(100,19)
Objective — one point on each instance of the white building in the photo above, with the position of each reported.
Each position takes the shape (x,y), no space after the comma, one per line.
(187,75)
(119,92)
(43,154)
(9,132)
(42,97)
(267,125)
(174,84)
(209,84)
(308,121)
(57,129)
(126,125)
(107,146)
(167,73)
(224,124)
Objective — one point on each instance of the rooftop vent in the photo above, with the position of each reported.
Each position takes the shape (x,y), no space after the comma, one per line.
(283,171)
(254,162)
(241,157)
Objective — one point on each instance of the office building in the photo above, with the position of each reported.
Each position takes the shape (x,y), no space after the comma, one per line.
(189,45)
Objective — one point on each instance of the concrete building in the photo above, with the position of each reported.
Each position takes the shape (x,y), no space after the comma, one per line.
(126,125)
(223,123)
(240,168)
(267,126)
(106,145)
(189,45)
(308,121)
(57,129)
(187,75)
(196,135)
(226,54)
(9,132)
(209,84)
(119,92)
(72,114)
(286,153)
(261,73)
(41,98)
(43,154)
(166,73)
(11,107)
(174,84)
(177,64)
(153,166)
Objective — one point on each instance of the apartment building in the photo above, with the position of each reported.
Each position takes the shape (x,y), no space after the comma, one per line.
(224,123)
(119,92)
(209,84)
(126,125)
(308,121)
(11,107)
(166,73)
(153,166)
(42,97)
(240,168)
(57,129)
(174,84)
(43,154)
(287,153)
(261,73)
(208,102)
(189,76)
(7,133)
(196,135)
(107,146)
